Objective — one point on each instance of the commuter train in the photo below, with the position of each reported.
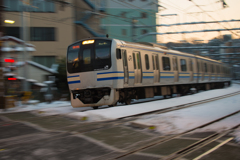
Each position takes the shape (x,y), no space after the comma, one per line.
(104,71)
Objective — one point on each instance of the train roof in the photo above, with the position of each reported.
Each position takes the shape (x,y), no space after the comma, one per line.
(153,46)
(165,49)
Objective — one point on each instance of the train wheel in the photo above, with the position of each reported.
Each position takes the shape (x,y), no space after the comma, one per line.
(113,105)
(95,107)
(128,101)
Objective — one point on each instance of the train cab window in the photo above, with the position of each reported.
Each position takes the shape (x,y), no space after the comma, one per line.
(134,61)
(73,58)
(118,53)
(183,65)
(87,56)
(147,62)
(166,63)
(205,68)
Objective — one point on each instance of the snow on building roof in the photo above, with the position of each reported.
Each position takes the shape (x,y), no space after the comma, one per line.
(42,67)
(40,84)
(17,40)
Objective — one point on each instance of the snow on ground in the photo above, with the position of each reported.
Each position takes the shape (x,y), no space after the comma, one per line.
(168,123)
(128,110)
(185,119)
(38,106)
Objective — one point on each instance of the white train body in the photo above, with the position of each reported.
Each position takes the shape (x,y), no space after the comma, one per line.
(103,71)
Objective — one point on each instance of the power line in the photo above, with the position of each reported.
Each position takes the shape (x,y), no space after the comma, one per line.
(214,18)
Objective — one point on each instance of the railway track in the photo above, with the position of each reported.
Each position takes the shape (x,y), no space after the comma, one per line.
(123,120)
(188,149)
(176,155)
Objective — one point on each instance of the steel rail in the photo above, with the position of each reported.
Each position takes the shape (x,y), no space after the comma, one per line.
(199,144)
(173,136)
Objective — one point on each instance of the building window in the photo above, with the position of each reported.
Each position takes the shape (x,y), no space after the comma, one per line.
(13,31)
(183,65)
(36,33)
(123,14)
(166,63)
(144,31)
(124,32)
(42,34)
(36,6)
(143,15)
(45,60)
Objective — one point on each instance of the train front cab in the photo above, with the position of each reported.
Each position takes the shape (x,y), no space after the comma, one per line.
(92,72)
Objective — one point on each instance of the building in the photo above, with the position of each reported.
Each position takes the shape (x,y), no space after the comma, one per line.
(120,19)
(50,25)
(15,61)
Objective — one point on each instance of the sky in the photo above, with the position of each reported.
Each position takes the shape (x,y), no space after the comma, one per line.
(187,11)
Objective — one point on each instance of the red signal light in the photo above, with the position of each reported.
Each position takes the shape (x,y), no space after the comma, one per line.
(9,60)
(12,79)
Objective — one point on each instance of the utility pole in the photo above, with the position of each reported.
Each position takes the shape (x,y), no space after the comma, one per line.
(134,21)
(2,88)
(25,37)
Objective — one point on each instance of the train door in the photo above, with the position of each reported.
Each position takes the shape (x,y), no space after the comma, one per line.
(198,71)
(190,70)
(156,68)
(203,70)
(175,69)
(137,67)
(125,66)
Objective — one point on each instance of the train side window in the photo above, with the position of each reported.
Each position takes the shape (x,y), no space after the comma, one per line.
(198,67)
(134,61)
(166,63)
(118,53)
(153,62)
(157,62)
(124,54)
(138,60)
(205,68)
(212,68)
(183,65)
(175,64)
(147,62)
(190,65)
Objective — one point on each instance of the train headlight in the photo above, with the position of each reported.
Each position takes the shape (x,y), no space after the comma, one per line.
(88,42)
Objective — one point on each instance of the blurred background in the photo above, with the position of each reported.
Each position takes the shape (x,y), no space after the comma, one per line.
(35,35)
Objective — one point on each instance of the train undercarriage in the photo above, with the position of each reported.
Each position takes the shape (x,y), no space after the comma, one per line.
(125,96)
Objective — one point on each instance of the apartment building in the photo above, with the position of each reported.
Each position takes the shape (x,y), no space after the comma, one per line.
(50,26)
(120,19)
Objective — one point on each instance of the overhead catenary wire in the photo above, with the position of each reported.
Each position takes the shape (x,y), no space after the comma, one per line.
(214,19)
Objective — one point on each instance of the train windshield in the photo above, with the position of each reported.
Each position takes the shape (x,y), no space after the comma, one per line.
(89,55)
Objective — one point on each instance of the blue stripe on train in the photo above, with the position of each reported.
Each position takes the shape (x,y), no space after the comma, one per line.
(72,82)
(109,78)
